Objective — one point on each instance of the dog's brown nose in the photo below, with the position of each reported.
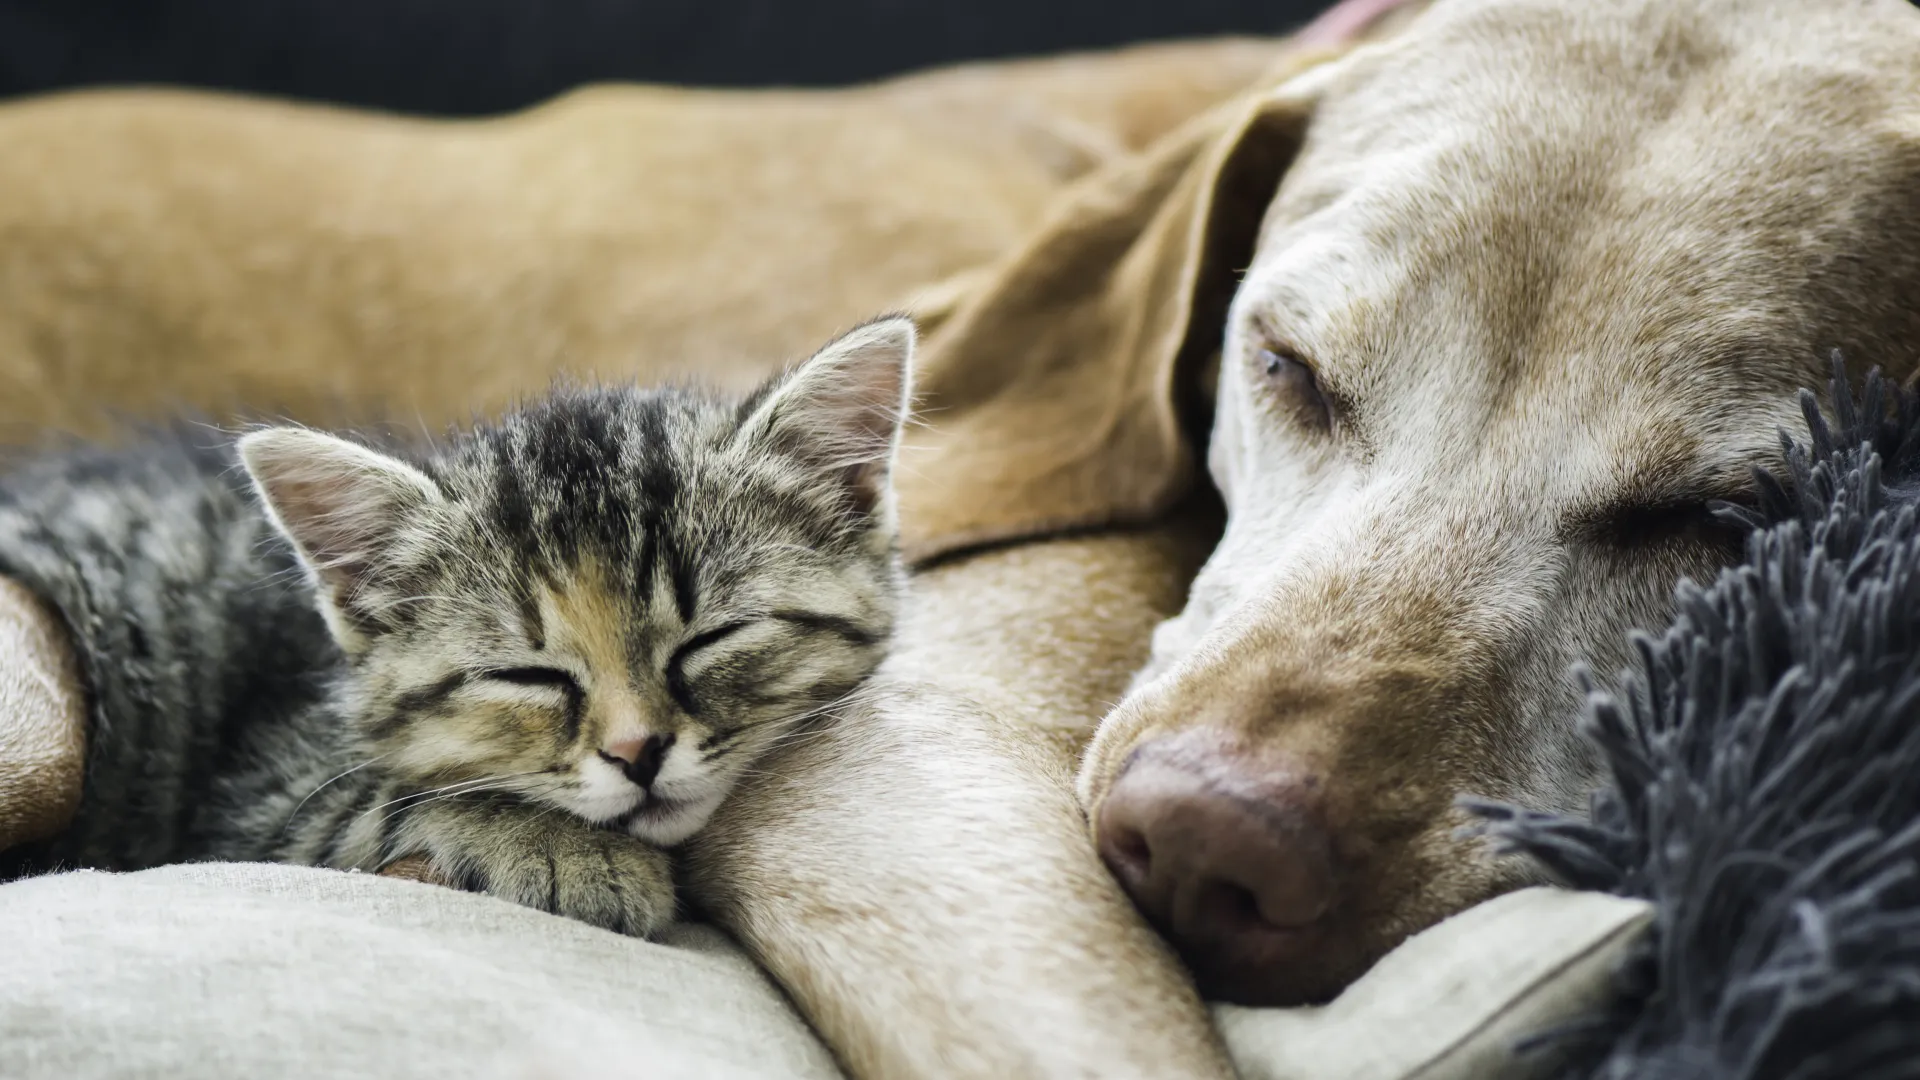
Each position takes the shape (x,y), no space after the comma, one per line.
(1230,862)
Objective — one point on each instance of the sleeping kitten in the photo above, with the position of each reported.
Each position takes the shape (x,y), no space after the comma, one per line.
(538,652)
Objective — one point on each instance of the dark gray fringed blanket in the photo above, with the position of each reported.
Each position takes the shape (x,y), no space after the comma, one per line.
(1764,794)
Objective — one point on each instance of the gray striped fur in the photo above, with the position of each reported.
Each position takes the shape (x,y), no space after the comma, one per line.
(306,649)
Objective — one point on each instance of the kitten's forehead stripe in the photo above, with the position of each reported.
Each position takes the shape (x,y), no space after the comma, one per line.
(686,590)
(511,506)
(575,454)
(645,566)
(532,623)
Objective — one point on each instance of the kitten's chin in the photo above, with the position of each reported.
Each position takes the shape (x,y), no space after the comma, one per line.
(602,809)
(665,822)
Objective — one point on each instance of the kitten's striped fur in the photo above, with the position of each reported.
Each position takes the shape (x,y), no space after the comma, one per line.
(535,651)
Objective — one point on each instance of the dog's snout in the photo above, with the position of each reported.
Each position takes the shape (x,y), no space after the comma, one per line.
(1226,855)
(1204,861)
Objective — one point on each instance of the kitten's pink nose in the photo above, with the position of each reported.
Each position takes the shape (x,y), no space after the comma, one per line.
(640,759)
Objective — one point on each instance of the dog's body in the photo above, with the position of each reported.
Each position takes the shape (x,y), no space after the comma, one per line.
(1542,277)
(162,250)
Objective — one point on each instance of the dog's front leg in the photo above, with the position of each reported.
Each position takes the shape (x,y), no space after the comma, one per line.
(919,875)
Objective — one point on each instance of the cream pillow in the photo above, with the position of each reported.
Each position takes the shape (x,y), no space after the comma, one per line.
(217,971)
(1451,1002)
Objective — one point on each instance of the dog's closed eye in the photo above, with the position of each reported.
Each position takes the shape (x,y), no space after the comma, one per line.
(1293,386)
(1641,525)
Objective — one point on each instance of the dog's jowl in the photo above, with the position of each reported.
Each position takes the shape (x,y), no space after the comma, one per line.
(1539,286)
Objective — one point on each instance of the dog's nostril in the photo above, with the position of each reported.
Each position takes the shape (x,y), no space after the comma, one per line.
(1224,909)
(1239,904)
(1127,853)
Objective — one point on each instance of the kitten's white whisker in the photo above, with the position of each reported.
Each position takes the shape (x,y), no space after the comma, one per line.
(458,787)
(476,787)
(428,800)
(426,433)
(786,738)
(465,603)
(294,814)
(751,755)
(419,795)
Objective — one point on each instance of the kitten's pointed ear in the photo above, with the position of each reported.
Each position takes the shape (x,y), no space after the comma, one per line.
(844,407)
(342,505)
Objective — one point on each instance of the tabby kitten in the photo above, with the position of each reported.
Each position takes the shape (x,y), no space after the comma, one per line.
(537,653)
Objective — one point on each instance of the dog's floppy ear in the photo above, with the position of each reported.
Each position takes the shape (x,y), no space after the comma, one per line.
(1049,395)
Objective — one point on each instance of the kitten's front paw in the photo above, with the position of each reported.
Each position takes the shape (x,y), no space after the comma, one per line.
(541,858)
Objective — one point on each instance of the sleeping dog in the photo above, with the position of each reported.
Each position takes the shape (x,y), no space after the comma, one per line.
(1537,289)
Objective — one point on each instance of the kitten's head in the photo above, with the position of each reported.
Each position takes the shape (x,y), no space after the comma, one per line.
(613,599)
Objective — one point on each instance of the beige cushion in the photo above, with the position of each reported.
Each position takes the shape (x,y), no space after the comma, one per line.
(214,971)
(244,971)
(1450,1003)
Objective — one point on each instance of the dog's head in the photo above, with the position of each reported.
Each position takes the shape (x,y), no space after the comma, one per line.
(1538,288)
(1538,285)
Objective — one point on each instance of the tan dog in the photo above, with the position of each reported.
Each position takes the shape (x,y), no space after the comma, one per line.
(1540,282)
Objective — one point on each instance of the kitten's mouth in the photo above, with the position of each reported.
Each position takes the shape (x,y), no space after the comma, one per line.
(665,821)
(649,808)
(654,817)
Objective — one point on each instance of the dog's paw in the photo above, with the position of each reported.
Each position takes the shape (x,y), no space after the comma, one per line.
(544,859)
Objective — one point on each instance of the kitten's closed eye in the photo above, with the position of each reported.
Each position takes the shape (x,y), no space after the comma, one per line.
(677,664)
(571,692)
(546,678)
(537,676)
(787,658)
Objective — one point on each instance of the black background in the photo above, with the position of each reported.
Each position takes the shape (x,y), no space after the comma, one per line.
(479,56)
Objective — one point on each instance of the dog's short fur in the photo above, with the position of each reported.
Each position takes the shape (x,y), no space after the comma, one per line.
(1540,283)
(165,249)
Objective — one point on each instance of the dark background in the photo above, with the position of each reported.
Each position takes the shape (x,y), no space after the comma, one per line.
(465,57)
